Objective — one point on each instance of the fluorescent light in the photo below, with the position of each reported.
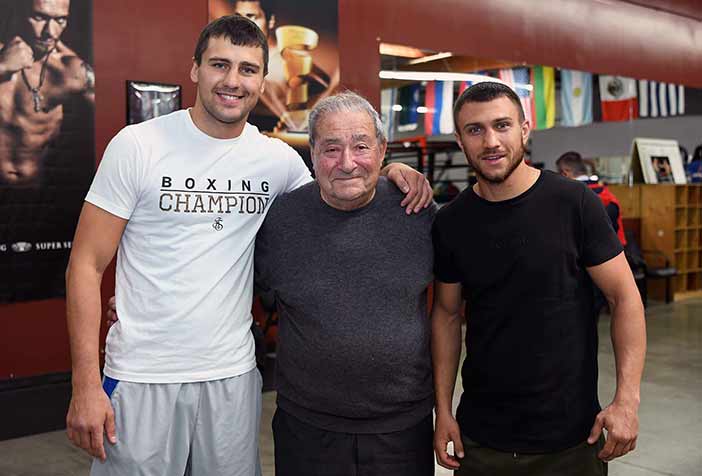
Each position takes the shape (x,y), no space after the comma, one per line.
(397,107)
(444,76)
(422,110)
(435,57)
(400,50)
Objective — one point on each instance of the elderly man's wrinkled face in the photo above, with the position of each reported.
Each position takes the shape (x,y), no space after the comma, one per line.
(347,157)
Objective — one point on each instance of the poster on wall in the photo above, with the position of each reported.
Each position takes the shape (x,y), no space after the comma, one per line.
(304,61)
(47,150)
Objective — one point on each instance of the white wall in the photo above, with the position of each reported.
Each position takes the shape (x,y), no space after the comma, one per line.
(612,138)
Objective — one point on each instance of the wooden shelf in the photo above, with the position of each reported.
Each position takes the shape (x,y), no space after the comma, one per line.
(671,222)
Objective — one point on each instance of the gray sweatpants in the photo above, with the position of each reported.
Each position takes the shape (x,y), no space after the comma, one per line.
(191,429)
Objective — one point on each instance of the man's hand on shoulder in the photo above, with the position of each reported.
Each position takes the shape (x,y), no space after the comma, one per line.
(112,317)
(15,55)
(415,186)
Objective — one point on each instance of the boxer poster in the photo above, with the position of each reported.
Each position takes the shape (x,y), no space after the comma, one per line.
(304,61)
(47,150)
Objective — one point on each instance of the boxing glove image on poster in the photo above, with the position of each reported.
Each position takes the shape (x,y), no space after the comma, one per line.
(47,150)
(303,65)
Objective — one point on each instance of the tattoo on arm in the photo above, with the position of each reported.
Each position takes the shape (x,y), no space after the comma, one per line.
(89,76)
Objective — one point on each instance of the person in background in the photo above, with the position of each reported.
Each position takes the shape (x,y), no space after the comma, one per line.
(571,165)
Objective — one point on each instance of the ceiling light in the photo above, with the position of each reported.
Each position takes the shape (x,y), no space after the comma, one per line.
(435,57)
(444,76)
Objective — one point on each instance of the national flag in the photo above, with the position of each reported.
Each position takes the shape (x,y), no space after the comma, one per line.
(439,103)
(465,85)
(518,79)
(618,97)
(387,101)
(408,99)
(661,99)
(576,98)
(544,82)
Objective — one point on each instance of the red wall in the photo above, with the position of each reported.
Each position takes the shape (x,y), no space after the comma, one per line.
(615,37)
(133,39)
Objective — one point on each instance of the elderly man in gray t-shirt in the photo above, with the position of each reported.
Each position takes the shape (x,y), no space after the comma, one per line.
(349,270)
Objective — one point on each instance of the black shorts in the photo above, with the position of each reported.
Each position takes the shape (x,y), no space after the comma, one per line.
(581,460)
(304,450)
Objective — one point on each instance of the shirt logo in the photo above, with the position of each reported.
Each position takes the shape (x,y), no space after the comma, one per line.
(249,197)
(217,225)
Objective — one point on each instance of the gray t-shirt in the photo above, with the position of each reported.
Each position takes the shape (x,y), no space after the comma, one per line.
(350,287)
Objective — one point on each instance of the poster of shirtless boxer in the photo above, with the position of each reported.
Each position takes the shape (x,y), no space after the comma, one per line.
(304,61)
(47,150)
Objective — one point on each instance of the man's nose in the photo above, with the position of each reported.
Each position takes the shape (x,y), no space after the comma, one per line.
(232,79)
(51,29)
(346,163)
(490,139)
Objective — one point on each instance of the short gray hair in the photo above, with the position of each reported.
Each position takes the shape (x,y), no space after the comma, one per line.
(346,101)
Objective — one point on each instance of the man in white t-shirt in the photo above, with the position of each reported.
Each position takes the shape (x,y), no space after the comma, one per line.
(182,196)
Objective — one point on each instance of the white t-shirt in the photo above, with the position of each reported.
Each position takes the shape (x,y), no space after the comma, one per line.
(185,262)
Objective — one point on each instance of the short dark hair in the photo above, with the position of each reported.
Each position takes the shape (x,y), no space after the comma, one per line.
(239,30)
(573,161)
(697,155)
(484,92)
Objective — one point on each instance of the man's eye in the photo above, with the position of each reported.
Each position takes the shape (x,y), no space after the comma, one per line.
(474,130)
(219,65)
(502,125)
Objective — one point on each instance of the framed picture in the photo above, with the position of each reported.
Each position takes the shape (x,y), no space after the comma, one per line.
(658,160)
(148,100)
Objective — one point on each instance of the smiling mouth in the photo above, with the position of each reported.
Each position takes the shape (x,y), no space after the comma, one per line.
(492,157)
(229,98)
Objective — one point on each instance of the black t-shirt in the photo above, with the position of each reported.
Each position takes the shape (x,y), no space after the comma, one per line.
(530,374)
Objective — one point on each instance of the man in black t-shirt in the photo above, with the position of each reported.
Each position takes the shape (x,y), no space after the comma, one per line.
(523,248)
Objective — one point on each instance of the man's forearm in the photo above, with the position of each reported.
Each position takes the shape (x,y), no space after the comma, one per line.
(446,352)
(628,330)
(83,314)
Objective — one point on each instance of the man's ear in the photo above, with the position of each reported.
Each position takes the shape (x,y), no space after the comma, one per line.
(457,136)
(383,146)
(193,71)
(526,130)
